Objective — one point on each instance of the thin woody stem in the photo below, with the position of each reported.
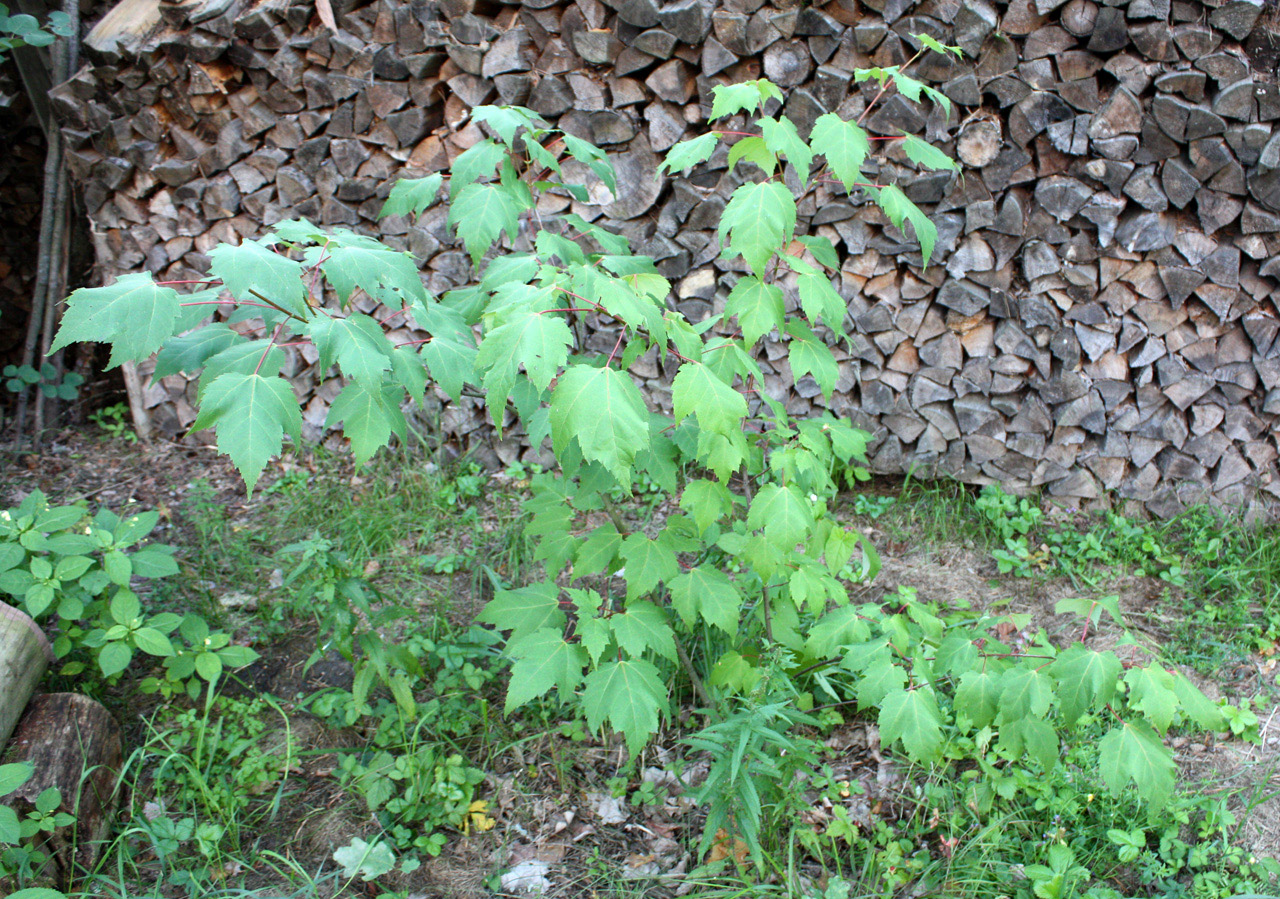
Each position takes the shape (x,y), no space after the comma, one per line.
(596,306)
(884,87)
(228,303)
(271,343)
(621,334)
(276,306)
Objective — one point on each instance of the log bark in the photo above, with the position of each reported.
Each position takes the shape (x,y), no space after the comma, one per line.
(74,746)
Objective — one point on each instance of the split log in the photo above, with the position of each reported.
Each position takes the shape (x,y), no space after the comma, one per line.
(25,653)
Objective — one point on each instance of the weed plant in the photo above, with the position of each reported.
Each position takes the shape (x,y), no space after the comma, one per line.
(1226,574)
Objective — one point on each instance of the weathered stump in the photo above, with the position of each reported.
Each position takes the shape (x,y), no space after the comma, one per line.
(73,744)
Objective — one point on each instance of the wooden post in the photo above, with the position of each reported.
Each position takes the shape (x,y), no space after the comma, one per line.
(73,744)
(25,653)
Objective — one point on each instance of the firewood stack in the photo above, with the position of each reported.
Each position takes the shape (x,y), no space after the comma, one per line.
(1100,314)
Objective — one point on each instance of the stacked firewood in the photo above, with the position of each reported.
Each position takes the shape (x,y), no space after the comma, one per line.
(1100,314)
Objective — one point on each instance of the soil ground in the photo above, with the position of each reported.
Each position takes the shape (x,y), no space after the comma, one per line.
(550,797)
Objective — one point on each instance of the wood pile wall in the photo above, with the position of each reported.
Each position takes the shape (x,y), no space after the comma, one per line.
(1102,317)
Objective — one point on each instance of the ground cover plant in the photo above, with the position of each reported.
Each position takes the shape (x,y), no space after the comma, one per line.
(735,602)
(183,826)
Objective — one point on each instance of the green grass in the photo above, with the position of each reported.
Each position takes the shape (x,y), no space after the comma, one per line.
(932,513)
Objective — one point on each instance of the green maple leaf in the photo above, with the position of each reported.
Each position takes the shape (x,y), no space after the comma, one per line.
(879,679)
(661,458)
(688,153)
(480,160)
(912,717)
(251,413)
(510,268)
(707,593)
(620,297)
(253,270)
(524,610)
(631,696)
(783,512)
(387,275)
(938,47)
(687,341)
(839,627)
(780,136)
(408,369)
(755,151)
(697,390)
(1031,736)
(729,360)
(746,96)
(648,563)
(608,241)
(135,315)
(899,209)
(245,358)
(1091,609)
(593,632)
(926,154)
(551,519)
(845,146)
(822,249)
(537,341)
(550,245)
(758,306)
(1086,680)
(543,660)
(357,343)
(298,232)
(370,414)
(451,353)
(603,410)
(758,221)
(643,626)
(811,585)
(819,299)
(599,551)
(481,213)
(1196,706)
(507,120)
(809,355)
(540,155)
(188,352)
(978,697)
(1151,691)
(707,501)
(593,158)
(1131,751)
(1024,691)
(907,86)
(958,654)
(412,196)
